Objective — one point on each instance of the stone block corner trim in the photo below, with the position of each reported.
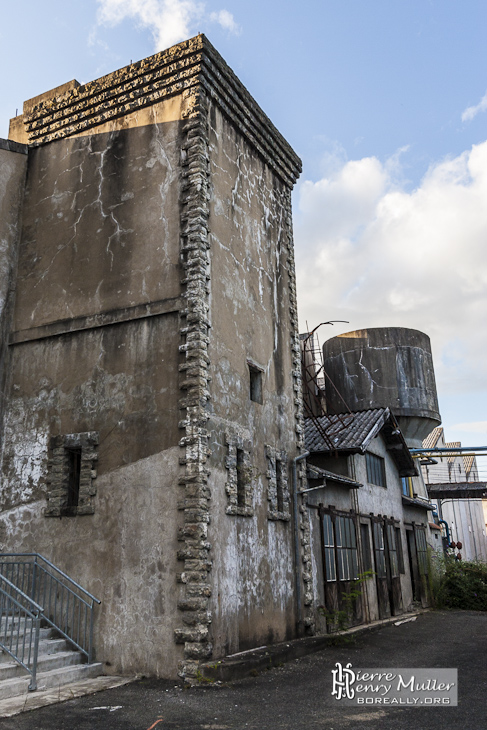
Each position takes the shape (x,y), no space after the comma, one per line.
(194,584)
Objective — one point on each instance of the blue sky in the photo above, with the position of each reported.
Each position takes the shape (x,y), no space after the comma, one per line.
(390,211)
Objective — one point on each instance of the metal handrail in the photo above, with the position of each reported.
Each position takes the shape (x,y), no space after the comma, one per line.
(51,565)
(68,607)
(22,647)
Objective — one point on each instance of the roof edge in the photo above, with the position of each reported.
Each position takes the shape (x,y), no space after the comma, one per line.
(190,69)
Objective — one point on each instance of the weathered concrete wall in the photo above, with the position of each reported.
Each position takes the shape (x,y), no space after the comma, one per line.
(13,166)
(118,380)
(253,563)
(117,327)
(124,554)
(101,225)
(95,349)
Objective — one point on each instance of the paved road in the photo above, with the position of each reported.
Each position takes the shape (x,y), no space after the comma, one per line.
(297,696)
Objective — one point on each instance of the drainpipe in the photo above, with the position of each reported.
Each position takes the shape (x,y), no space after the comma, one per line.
(297,572)
(442,522)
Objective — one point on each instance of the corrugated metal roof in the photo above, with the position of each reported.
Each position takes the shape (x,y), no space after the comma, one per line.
(362,427)
(448,487)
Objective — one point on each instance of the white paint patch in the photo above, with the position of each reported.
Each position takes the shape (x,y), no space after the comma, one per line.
(27,454)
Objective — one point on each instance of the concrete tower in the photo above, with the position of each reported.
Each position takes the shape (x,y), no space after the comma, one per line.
(150,346)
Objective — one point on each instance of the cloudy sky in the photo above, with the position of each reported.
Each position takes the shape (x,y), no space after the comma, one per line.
(386,103)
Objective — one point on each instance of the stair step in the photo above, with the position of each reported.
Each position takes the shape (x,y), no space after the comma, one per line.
(45,663)
(43,634)
(46,646)
(17,686)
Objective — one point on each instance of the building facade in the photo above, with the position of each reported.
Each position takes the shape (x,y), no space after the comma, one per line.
(150,365)
(452,480)
(362,525)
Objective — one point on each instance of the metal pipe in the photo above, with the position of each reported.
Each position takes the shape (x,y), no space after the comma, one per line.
(439,449)
(444,522)
(297,572)
(311,489)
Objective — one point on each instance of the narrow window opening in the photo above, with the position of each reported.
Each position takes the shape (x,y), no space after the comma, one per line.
(74,476)
(255,384)
(241,481)
(279,486)
(376,472)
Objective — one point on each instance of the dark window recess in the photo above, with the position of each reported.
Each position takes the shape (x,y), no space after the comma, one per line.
(241,480)
(366,554)
(376,471)
(71,474)
(280,485)
(255,384)
(74,476)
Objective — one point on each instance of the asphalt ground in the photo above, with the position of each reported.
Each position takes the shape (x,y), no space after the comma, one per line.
(297,695)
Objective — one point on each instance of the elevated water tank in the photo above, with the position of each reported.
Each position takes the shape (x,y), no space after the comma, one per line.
(385,367)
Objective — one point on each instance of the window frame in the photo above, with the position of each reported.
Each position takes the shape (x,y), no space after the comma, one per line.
(376,469)
(340,546)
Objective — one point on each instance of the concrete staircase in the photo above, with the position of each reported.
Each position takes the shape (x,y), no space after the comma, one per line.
(58,664)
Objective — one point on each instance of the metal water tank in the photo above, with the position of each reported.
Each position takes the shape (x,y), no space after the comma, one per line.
(385,367)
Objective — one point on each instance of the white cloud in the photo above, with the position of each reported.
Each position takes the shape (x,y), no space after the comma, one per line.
(472,427)
(226,20)
(472,111)
(170,21)
(372,253)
